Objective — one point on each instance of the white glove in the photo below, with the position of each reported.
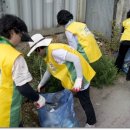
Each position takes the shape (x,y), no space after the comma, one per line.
(40,103)
(39,88)
(44,79)
(77,85)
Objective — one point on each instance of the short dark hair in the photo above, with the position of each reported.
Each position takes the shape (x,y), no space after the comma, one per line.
(128,14)
(63,17)
(10,22)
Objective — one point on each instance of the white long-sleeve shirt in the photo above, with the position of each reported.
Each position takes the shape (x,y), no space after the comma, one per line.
(72,40)
(20,72)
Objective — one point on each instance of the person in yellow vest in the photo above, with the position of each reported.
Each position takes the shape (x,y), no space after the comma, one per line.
(14,74)
(124,45)
(79,36)
(70,67)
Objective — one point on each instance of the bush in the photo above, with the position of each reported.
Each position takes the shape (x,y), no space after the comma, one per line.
(106,72)
(115,39)
(34,62)
(53,85)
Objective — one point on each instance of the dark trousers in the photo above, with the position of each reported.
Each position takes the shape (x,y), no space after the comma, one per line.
(124,46)
(86,104)
(21,124)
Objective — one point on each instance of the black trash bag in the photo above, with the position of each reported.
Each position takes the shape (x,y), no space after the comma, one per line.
(58,111)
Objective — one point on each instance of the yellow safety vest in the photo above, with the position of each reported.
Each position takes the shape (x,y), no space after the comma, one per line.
(87,44)
(10,98)
(66,72)
(126,33)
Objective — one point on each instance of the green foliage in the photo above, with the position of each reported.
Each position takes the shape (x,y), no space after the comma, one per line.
(106,72)
(53,85)
(115,39)
(34,62)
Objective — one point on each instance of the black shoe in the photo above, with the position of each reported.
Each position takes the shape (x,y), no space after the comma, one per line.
(128,78)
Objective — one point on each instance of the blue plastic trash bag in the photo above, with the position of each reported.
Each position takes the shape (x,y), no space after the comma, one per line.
(126,61)
(58,111)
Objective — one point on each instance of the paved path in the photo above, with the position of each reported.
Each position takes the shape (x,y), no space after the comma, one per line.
(112,105)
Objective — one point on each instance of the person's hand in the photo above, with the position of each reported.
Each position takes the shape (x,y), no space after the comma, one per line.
(77,85)
(39,88)
(40,103)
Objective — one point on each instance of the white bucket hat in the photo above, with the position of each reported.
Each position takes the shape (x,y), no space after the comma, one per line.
(38,40)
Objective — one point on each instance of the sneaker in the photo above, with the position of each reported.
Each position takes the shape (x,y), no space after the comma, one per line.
(89,126)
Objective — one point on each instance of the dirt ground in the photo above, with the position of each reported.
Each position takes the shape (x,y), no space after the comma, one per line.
(112,105)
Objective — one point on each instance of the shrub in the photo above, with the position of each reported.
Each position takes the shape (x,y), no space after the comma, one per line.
(106,72)
(115,39)
(34,62)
